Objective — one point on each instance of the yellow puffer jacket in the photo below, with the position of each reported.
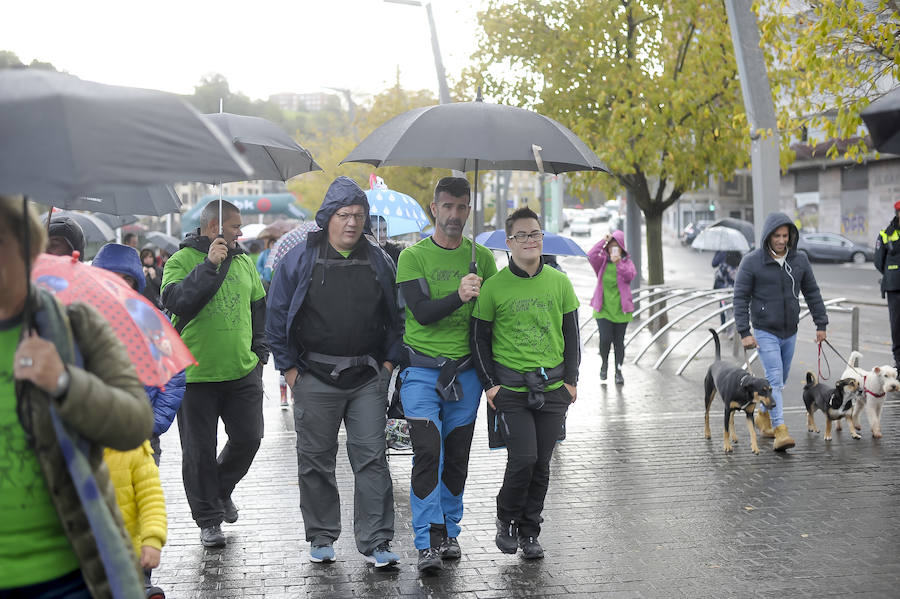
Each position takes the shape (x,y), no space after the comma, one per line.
(139,494)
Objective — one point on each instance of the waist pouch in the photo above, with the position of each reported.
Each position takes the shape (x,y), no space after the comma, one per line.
(447,386)
(536,380)
(342,363)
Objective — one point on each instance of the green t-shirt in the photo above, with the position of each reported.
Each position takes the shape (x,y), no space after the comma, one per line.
(442,269)
(612,299)
(527,315)
(221,334)
(33,546)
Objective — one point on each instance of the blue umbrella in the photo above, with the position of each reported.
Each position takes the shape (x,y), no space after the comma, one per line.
(554,244)
(402,212)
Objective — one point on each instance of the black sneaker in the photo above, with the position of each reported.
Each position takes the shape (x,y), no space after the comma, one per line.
(506,536)
(603,372)
(620,380)
(531,549)
(430,560)
(212,536)
(155,593)
(231,511)
(450,548)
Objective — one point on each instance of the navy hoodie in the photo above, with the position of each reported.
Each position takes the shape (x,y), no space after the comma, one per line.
(767,295)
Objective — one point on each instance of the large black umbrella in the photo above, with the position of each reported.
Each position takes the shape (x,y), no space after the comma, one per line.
(164,242)
(153,200)
(882,117)
(117,222)
(745,227)
(95,230)
(62,138)
(468,136)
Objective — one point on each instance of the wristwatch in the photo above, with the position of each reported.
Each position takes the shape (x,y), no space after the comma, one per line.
(62,384)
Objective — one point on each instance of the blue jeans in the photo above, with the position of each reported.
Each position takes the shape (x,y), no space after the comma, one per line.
(775,354)
(441,433)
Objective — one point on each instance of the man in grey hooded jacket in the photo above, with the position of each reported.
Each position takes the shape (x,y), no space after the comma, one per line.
(767,289)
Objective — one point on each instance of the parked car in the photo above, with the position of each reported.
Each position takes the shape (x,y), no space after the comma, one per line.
(581,225)
(832,247)
(690,232)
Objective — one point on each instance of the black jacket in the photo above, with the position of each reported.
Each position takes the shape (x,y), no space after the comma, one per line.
(887,256)
(767,295)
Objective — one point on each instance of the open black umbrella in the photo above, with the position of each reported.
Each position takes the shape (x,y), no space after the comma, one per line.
(882,117)
(117,222)
(164,242)
(745,227)
(62,138)
(468,136)
(153,200)
(95,230)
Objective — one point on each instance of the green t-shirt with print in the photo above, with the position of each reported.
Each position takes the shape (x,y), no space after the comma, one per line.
(33,546)
(527,318)
(612,299)
(221,334)
(442,270)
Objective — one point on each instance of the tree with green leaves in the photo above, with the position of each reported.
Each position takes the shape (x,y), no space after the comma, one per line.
(828,61)
(650,86)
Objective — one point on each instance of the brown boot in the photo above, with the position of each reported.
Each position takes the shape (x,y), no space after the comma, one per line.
(763,424)
(783,440)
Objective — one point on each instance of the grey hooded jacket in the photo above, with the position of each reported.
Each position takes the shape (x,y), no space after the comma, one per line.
(767,295)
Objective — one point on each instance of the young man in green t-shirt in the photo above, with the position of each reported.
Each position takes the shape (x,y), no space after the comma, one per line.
(440,390)
(526,350)
(215,293)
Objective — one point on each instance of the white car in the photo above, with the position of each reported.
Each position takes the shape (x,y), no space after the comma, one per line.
(581,225)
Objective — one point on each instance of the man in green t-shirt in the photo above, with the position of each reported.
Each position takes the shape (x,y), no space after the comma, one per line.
(526,350)
(440,390)
(219,305)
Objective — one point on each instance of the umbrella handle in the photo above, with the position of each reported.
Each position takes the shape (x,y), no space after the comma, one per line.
(473,267)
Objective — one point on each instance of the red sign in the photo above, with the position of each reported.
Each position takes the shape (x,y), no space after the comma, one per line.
(264,204)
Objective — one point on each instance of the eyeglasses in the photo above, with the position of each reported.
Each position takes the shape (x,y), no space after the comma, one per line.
(345,216)
(521,237)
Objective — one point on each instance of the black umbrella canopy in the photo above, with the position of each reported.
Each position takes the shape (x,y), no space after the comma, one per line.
(153,200)
(116,222)
(882,117)
(95,229)
(62,138)
(746,228)
(468,136)
(164,242)
(273,154)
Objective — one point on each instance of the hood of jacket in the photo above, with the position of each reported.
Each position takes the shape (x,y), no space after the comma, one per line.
(342,192)
(195,240)
(619,236)
(773,221)
(122,259)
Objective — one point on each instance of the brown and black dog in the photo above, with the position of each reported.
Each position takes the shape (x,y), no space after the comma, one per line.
(835,402)
(740,390)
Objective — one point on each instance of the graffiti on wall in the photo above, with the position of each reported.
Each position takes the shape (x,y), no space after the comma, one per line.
(854,223)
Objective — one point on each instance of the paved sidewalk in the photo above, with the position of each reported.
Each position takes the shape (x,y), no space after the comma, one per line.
(640,505)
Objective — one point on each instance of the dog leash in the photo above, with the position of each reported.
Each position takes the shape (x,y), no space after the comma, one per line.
(822,377)
(843,359)
(747,360)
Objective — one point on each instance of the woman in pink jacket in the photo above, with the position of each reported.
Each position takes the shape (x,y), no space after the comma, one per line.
(612,301)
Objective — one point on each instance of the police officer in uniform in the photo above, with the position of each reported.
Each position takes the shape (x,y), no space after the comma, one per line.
(887,261)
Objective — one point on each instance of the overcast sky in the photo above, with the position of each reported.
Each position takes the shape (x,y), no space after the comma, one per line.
(261,46)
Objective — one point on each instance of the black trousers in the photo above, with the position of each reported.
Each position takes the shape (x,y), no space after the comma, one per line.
(530,436)
(893,301)
(209,479)
(612,333)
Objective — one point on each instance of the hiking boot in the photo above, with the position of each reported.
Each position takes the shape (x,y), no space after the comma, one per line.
(506,539)
(603,372)
(620,380)
(531,549)
(783,440)
(382,556)
(231,511)
(430,560)
(450,548)
(212,536)
(763,424)
(155,593)
(321,554)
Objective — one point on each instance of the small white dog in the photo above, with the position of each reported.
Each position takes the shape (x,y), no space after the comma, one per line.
(873,385)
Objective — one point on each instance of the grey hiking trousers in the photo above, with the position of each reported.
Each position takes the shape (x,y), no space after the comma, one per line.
(319,410)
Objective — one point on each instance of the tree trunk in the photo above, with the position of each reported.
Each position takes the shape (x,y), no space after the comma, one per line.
(653,219)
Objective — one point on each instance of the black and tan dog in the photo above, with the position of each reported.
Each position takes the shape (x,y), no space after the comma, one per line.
(835,402)
(740,390)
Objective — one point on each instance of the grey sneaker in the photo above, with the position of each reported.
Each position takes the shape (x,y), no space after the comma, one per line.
(212,536)
(450,548)
(531,549)
(430,560)
(231,511)
(507,533)
(382,556)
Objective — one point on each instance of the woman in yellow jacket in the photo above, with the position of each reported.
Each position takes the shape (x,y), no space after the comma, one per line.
(140,497)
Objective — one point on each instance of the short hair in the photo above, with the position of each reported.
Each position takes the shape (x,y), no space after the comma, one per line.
(12,213)
(520,214)
(458,187)
(210,213)
(128,237)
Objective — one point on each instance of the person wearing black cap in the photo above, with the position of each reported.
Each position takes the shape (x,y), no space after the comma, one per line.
(64,237)
(887,261)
